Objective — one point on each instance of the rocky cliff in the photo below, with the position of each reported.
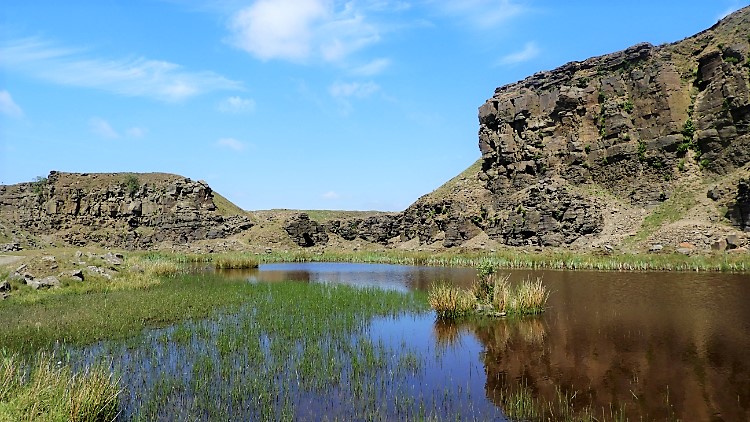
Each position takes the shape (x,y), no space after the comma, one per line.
(586,152)
(115,209)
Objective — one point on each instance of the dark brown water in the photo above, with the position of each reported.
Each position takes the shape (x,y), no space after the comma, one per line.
(656,345)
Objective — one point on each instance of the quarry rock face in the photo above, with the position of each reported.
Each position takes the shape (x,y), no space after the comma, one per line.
(305,232)
(625,120)
(135,211)
(628,123)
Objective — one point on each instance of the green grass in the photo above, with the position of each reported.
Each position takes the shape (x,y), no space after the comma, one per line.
(235,261)
(492,294)
(520,259)
(294,348)
(40,389)
(73,318)
(667,212)
(450,302)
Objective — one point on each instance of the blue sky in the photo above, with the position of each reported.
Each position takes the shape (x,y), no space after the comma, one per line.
(304,104)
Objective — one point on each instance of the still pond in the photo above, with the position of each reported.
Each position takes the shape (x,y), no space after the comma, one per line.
(636,346)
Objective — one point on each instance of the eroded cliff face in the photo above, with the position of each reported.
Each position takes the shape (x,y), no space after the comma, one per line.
(638,126)
(626,122)
(117,209)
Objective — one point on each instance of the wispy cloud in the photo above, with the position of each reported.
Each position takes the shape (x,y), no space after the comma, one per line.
(481,14)
(137,132)
(9,107)
(135,77)
(302,30)
(372,68)
(237,105)
(231,143)
(353,89)
(530,51)
(102,128)
(330,195)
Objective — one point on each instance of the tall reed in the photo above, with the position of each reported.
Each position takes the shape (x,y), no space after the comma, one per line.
(450,302)
(45,390)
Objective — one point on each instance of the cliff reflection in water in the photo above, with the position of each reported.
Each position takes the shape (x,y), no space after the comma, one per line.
(657,345)
(653,345)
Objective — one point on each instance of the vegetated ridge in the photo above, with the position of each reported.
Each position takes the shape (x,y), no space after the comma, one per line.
(645,148)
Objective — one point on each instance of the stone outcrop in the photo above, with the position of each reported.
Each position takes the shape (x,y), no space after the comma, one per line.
(116,209)
(624,121)
(739,210)
(305,232)
(630,123)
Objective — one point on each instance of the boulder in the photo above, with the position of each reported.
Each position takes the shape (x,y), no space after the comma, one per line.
(719,245)
(305,232)
(4,286)
(733,241)
(112,258)
(76,274)
(45,283)
(656,248)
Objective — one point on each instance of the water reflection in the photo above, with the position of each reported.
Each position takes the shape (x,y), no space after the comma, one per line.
(657,345)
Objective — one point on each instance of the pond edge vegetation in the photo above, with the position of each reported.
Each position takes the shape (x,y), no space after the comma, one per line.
(513,259)
(491,295)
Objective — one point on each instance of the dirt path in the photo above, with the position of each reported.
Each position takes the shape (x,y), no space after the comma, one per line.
(9,259)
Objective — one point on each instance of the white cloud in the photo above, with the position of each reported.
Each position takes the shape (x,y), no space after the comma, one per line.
(300,30)
(372,68)
(231,143)
(101,127)
(353,89)
(9,107)
(135,77)
(237,105)
(482,14)
(530,51)
(137,132)
(330,195)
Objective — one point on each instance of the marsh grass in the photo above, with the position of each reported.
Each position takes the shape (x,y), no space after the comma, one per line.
(491,294)
(296,351)
(450,302)
(235,261)
(521,404)
(109,312)
(41,389)
(521,259)
(528,298)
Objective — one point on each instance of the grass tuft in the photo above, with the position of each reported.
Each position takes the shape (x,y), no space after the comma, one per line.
(450,302)
(235,261)
(43,390)
(492,294)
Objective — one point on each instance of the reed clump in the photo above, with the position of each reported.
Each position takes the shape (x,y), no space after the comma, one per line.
(450,302)
(235,261)
(492,294)
(45,390)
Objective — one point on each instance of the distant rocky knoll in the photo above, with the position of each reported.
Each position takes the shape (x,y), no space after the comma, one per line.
(125,210)
(636,127)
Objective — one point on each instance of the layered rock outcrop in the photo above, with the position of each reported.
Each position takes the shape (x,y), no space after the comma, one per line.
(117,209)
(626,120)
(631,124)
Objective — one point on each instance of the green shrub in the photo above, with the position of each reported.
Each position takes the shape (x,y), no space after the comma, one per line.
(132,184)
(38,185)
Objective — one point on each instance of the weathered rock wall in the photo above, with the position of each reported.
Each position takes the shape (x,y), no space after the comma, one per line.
(630,122)
(124,210)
